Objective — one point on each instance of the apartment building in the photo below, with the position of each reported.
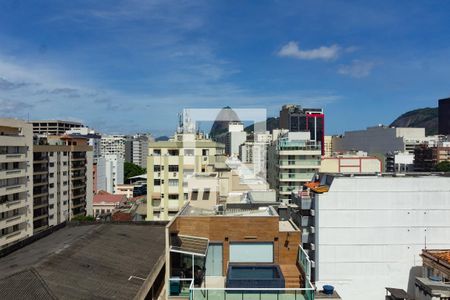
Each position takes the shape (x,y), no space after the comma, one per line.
(360,229)
(139,149)
(53,127)
(110,172)
(16,181)
(169,163)
(62,180)
(328,144)
(295,118)
(116,144)
(91,135)
(237,253)
(426,157)
(293,159)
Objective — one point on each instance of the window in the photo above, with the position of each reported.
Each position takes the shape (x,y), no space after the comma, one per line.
(189,152)
(65,202)
(52,165)
(173,182)
(65,173)
(157,152)
(173,196)
(205,152)
(65,163)
(173,168)
(205,194)
(194,195)
(52,185)
(51,217)
(173,152)
(51,154)
(51,206)
(157,168)
(52,175)
(65,193)
(156,182)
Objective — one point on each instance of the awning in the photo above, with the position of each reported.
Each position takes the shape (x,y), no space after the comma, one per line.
(189,245)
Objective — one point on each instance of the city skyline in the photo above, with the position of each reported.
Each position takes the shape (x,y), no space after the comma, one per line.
(130,66)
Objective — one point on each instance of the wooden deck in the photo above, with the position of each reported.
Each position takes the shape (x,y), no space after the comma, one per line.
(292,276)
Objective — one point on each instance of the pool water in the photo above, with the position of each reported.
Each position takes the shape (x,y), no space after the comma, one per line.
(248,276)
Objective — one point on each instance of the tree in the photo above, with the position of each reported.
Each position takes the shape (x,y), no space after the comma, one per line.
(443,166)
(130,170)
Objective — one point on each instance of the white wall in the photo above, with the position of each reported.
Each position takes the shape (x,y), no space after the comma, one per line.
(370,231)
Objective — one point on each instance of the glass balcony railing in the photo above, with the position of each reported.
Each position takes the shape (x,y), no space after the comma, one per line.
(299,162)
(185,288)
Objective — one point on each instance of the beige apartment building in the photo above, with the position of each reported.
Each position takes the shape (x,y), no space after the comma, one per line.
(16,180)
(63,180)
(169,164)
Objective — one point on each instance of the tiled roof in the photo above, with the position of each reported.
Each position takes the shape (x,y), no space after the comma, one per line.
(443,255)
(103,196)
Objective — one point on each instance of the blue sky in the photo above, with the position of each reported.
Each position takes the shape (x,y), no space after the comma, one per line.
(131,66)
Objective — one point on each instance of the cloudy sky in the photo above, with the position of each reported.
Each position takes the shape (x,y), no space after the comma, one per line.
(128,66)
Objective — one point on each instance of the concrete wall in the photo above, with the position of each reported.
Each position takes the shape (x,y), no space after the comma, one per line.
(370,231)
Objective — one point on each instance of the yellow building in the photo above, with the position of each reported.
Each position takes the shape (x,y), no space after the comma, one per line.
(169,163)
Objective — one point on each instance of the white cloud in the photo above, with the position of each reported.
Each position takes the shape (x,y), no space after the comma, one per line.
(357,69)
(291,49)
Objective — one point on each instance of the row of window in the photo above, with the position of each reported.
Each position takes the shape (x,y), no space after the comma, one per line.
(172,182)
(175,152)
(159,168)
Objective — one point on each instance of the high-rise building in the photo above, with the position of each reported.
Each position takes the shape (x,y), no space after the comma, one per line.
(62,180)
(116,144)
(360,229)
(168,164)
(233,138)
(444,116)
(110,172)
(295,118)
(91,135)
(16,181)
(53,127)
(139,149)
(293,160)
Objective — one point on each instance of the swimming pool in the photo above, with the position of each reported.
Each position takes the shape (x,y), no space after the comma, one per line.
(254,276)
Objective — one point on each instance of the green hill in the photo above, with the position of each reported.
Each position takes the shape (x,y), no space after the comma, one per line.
(423,117)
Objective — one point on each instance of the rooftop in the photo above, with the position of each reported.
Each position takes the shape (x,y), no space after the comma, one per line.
(105,197)
(85,262)
(230,212)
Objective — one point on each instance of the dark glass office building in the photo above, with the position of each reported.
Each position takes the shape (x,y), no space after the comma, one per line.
(295,118)
(444,116)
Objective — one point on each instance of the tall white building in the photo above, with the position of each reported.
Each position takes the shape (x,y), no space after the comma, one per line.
(16,181)
(116,144)
(232,139)
(110,172)
(365,233)
(139,149)
(293,159)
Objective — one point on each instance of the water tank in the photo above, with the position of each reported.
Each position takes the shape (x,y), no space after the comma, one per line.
(328,289)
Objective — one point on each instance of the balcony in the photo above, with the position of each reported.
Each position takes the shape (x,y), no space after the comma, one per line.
(13,204)
(13,236)
(13,157)
(16,188)
(12,220)
(296,176)
(298,163)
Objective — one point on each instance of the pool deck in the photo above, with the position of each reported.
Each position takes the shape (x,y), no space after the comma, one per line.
(214,282)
